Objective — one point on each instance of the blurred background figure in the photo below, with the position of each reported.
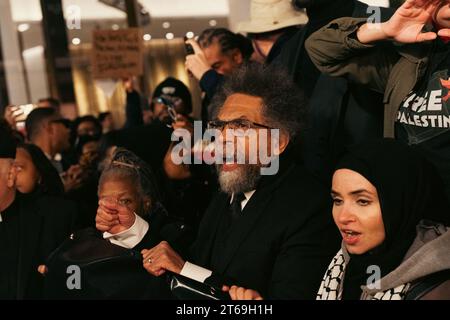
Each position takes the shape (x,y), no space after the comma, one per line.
(107,121)
(35,173)
(87,126)
(272,23)
(171,93)
(217,53)
(50,133)
(133,108)
(49,103)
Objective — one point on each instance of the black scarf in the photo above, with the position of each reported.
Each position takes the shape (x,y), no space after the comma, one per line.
(409,190)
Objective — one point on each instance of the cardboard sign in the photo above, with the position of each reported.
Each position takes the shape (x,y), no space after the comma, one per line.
(117,53)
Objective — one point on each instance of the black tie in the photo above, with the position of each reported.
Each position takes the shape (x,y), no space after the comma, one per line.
(236,205)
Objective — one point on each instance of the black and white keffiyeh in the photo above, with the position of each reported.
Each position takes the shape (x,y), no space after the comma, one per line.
(332,284)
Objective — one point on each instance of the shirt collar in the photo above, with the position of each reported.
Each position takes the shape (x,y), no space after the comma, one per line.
(247,195)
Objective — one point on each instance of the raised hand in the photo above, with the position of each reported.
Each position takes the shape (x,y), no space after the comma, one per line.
(113,217)
(197,63)
(406,24)
(11,113)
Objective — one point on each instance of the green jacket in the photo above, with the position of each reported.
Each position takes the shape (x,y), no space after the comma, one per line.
(385,67)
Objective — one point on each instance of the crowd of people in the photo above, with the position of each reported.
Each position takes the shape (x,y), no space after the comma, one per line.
(343,192)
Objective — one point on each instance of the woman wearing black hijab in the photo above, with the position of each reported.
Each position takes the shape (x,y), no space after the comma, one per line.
(385,198)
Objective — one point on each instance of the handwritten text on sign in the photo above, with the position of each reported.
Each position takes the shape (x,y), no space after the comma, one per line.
(117,53)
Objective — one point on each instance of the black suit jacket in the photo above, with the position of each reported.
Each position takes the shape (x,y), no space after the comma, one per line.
(45,222)
(282,244)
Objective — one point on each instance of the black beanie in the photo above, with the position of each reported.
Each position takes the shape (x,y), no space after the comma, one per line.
(7,142)
(175,88)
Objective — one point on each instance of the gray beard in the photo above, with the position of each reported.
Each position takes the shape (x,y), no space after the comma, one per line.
(243,179)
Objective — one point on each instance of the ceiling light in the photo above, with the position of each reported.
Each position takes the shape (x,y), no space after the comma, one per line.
(76,41)
(23,27)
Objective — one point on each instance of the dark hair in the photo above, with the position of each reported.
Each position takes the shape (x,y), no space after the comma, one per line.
(88,118)
(284,104)
(36,119)
(126,165)
(227,41)
(102,116)
(108,140)
(54,103)
(82,141)
(50,182)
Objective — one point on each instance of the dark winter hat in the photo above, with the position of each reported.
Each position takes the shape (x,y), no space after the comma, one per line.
(175,88)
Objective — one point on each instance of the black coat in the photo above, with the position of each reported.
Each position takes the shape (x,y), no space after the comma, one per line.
(45,222)
(109,271)
(282,243)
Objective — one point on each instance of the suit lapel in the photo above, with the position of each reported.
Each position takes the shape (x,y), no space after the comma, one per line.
(252,213)
(30,230)
(250,216)
(217,212)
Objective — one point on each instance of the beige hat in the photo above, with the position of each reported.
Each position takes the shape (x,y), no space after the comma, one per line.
(271,15)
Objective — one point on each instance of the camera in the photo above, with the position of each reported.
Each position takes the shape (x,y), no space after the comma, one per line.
(170,108)
(188,47)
